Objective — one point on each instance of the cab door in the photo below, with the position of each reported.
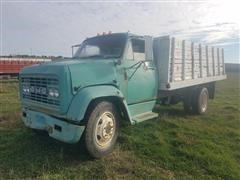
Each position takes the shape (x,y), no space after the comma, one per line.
(140,72)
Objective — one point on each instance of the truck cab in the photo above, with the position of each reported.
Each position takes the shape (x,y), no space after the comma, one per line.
(111,77)
(132,68)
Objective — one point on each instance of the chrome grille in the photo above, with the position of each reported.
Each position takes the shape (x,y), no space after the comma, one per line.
(39,89)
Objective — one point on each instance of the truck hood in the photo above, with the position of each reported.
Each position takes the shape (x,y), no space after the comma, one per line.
(56,68)
(72,75)
(82,73)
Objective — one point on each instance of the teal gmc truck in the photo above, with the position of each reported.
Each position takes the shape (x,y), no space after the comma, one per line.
(115,77)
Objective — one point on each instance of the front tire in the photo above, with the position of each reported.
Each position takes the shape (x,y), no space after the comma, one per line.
(101,129)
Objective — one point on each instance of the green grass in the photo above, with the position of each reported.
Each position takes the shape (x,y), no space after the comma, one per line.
(174,146)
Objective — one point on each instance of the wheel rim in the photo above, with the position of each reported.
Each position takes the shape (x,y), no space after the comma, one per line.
(105,129)
(204,101)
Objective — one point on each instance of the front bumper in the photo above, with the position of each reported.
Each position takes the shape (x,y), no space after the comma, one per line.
(60,130)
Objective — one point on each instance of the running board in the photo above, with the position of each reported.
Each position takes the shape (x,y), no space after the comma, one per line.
(144,116)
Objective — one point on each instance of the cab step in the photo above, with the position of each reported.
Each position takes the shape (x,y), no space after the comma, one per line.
(144,116)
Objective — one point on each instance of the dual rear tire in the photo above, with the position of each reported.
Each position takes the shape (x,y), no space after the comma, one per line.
(197,101)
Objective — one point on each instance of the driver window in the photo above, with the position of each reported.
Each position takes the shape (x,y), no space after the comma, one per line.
(136,50)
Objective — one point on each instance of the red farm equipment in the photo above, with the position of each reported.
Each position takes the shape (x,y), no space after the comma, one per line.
(10,67)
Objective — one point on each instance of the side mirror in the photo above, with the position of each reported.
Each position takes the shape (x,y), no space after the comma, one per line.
(74,46)
(147,65)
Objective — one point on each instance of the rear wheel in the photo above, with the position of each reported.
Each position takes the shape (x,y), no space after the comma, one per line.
(102,129)
(200,101)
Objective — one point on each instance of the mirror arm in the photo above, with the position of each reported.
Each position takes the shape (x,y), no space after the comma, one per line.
(117,62)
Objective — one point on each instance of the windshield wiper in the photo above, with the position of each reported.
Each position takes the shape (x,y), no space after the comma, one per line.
(102,56)
(93,56)
(111,56)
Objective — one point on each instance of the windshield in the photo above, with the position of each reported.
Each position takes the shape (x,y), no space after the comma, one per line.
(107,46)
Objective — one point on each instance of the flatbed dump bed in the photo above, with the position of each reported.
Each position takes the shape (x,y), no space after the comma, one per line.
(182,63)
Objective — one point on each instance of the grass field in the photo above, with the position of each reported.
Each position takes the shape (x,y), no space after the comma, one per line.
(174,146)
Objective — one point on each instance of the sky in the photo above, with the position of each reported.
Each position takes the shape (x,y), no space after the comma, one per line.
(52,27)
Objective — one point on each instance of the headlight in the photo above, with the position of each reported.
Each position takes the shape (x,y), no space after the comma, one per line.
(53,93)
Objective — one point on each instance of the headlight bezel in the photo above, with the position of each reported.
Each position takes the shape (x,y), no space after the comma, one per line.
(53,93)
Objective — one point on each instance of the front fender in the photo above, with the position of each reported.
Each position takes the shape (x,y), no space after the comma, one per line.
(82,99)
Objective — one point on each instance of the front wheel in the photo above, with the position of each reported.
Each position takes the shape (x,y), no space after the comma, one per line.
(101,129)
